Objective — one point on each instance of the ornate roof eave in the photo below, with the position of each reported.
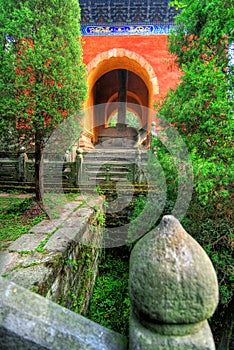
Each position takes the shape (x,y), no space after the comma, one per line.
(126,17)
(137,29)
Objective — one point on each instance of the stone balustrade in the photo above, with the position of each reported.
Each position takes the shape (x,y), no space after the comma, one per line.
(173,291)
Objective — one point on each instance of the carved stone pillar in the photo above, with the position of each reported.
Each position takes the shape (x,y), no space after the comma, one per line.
(173,291)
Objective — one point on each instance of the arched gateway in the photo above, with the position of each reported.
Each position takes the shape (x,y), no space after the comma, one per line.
(128,64)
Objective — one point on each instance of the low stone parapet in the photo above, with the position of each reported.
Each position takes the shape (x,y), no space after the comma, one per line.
(59,258)
(173,291)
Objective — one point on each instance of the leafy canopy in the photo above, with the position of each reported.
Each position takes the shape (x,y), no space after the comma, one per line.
(202,105)
(42,78)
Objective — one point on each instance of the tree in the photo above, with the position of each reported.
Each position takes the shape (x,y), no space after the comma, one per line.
(202,109)
(202,105)
(43,77)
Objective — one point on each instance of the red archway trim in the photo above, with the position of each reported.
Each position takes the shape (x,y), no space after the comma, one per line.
(121,58)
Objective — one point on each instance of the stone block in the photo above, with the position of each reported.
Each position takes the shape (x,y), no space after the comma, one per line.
(29,321)
(31,276)
(7,261)
(27,242)
(201,339)
(46,226)
(71,231)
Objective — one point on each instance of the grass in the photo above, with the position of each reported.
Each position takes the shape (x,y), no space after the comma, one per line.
(55,200)
(110,304)
(17,216)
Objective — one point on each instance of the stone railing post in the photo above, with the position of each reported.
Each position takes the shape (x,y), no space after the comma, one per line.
(22,173)
(173,291)
(79,165)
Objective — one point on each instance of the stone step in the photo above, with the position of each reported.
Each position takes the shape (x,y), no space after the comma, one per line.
(115,153)
(112,164)
(112,178)
(123,187)
(106,173)
(108,167)
(108,161)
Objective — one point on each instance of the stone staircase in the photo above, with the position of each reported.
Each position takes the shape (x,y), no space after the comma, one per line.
(111,165)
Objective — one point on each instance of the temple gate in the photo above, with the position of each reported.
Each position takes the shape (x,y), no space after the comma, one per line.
(130,38)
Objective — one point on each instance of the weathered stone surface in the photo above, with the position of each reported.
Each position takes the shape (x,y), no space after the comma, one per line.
(58,274)
(59,269)
(93,202)
(39,258)
(71,232)
(172,279)
(46,226)
(7,261)
(173,290)
(144,339)
(69,208)
(29,321)
(61,238)
(49,226)
(30,276)
(27,241)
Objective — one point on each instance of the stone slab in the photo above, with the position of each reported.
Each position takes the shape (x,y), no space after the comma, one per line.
(7,261)
(46,226)
(29,321)
(38,258)
(95,201)
(70,206)
(30,276)
(81,213)
(82,198)
(27,241)
(71,231)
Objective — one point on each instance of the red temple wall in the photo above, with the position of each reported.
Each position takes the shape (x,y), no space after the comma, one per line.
(152,48)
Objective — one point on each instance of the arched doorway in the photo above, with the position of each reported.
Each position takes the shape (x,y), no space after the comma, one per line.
(103,84)
(105,93)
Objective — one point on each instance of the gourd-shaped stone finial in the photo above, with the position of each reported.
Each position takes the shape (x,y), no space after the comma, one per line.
(173,291)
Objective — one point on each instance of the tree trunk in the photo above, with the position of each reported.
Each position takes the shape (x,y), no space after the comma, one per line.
(227,340)
(39,173)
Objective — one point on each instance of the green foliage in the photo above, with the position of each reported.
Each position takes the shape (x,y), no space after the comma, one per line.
(99,190)
(213,229)
(201,108)
(42,75)
(131,120)
(15,218)
(203,29)
(138,206)
(160,153)
(44,59)
(177,4)
(48,70)
(110,304)
(101,219)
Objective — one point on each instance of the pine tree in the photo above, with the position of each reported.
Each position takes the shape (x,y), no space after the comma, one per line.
(42,75)
(202,105)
